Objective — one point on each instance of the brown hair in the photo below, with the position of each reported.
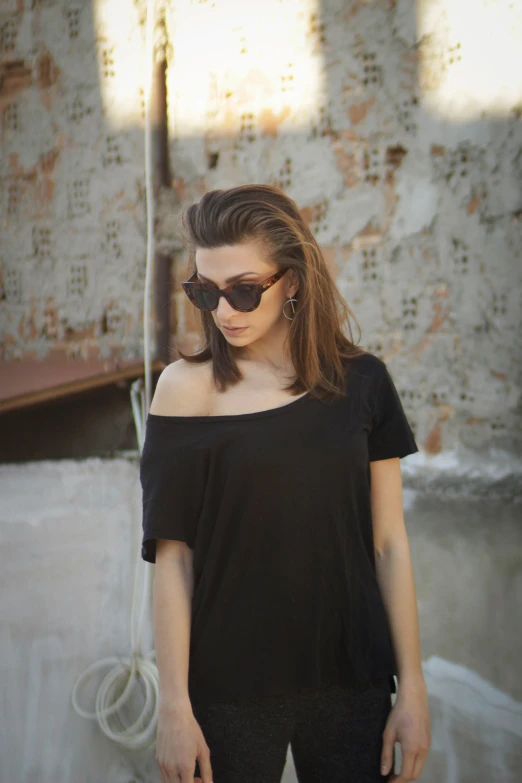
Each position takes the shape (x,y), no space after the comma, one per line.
(316,338)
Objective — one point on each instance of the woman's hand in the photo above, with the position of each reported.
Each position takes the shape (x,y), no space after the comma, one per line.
(179,742)
(409,724)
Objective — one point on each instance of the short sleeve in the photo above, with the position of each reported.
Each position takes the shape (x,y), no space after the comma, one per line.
(391,434)
(172,481)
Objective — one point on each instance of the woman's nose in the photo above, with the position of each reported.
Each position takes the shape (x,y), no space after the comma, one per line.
(224,310)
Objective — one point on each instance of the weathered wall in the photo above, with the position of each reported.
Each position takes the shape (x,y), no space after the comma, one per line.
(71,179)
(371,116)
(394,124)
(70,534)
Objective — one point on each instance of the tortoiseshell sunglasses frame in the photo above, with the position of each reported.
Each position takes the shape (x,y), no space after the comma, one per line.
(258,288)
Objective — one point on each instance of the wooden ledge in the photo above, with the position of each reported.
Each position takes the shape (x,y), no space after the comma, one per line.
(31,382)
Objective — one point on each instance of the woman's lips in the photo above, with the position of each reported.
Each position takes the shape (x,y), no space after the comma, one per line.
(235,330)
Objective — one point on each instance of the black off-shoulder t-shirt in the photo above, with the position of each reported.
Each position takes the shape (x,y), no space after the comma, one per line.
(275,505)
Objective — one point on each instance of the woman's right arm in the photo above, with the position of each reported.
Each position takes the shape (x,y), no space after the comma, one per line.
(179,739)
(172,600)
(182,389)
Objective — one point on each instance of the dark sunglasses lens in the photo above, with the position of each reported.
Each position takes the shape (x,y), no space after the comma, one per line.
(243,297)
(204,297)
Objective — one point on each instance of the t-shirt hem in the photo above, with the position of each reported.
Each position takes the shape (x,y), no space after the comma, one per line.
(390,453)
(219,696)
(148,547)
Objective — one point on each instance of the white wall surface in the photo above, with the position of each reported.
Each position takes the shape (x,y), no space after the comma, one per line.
(69,535)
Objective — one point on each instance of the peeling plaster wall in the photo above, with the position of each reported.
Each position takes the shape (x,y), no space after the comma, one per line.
(365,112)
(71,179)
(418,212)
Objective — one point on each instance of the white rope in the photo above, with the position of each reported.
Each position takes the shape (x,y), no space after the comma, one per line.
(120,684)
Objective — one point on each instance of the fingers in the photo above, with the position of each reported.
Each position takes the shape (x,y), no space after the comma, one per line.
(166,776)
(411,767)
(388,742)
(419,763)
(205,769)
(177,773)
(408,762)
(186,774)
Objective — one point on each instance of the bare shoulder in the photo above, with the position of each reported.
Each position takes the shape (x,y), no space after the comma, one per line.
(183,389)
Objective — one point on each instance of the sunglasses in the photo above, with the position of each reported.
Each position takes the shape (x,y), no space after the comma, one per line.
(244,297)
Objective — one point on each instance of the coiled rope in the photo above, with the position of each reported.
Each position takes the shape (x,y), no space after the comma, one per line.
(126,675)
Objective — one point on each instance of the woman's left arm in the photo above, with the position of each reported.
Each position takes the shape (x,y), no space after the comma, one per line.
(409,720)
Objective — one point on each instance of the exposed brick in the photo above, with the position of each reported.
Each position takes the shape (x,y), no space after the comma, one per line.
(15,76)
(357,113)
(330,256)
(307,214)
(270,122)
(474,204)
(395,155)
(347,164)
(47,72)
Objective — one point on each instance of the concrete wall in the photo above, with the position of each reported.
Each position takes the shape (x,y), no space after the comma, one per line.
(394,124)
(70,534)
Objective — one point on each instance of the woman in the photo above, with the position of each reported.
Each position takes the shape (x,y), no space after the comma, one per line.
(284,598)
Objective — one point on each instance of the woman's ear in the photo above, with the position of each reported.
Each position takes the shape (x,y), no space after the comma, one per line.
(294,284)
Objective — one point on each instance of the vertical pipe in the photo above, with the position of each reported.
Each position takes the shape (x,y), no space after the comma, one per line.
(162,179)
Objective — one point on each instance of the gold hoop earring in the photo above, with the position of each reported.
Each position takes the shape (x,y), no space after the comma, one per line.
(291,300)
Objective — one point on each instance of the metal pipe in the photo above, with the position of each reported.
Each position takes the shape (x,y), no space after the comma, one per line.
(162,179)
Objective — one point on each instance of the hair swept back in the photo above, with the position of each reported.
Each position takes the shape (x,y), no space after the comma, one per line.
(317,341)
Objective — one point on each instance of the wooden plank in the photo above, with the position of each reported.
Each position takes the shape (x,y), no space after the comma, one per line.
(24,383)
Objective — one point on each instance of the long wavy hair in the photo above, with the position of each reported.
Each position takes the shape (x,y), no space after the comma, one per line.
(317,342)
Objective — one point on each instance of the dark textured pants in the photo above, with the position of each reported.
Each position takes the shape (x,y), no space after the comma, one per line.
(335,735)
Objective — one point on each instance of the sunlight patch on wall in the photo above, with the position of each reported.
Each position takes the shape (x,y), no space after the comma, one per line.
(470,57)
(120,47)
(244,67)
